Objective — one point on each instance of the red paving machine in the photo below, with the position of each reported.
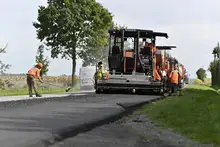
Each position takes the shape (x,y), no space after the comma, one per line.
(133,62)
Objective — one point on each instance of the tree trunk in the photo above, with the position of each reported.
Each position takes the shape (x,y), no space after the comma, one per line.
(73,67)
(73,71)
(213,78)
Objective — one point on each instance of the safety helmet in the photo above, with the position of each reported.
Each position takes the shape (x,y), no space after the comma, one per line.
(40,65)
(100,64)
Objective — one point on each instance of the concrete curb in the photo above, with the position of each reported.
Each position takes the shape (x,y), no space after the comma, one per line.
(46,96)
(11,104)
(73,131)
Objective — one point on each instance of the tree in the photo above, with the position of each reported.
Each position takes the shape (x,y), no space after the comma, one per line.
(68,26)
(41,59)
(214,66)
(98,51)
(216,51)
(93,55)
(118,26)
(3,67)
(201,74)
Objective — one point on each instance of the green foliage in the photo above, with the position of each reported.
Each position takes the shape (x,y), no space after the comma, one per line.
(214,66)
(206,82)
(41,59)
(98,50)
(201,74)
(70,26)
(117,26)
(196,114)
(216,51)
(2,84)
(3,67)
(198,82)
(93,55)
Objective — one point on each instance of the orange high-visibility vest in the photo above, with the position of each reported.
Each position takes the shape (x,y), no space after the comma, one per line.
(34,72)
(174,76)
(156,75)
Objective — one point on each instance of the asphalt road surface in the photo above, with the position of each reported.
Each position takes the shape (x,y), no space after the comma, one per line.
(130,131)
(44,123)
(35,123)
(112,135)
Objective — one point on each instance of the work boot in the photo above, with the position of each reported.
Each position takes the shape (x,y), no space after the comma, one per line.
(38,95)
(30,94)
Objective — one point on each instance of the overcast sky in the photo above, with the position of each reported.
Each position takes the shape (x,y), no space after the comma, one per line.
(192,25)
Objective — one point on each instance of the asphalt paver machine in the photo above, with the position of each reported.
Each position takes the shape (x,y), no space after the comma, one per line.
(131,61)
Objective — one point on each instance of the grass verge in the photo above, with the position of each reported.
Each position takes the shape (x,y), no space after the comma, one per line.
(24,91)
(195,115)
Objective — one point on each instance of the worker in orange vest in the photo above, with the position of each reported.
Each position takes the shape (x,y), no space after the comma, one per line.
(174,79)
(33,75)
(156,75)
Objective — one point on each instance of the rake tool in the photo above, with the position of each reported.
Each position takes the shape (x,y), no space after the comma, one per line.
(67,89)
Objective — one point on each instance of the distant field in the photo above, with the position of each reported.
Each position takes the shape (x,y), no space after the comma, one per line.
(20,81)
(17,85)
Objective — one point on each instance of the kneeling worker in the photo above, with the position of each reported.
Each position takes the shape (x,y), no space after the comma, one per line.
(33,75)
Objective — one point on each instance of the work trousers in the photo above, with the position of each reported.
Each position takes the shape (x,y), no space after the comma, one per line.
(31,82)
(174,88)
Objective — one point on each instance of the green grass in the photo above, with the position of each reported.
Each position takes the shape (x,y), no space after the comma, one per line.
(24,91)
(196,114)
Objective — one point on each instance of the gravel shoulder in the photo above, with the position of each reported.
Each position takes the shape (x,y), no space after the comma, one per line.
(153,131)
(130,131)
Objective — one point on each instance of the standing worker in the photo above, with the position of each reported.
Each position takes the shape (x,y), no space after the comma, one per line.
(100,74)
(33,75)
(181,83)
(174,79)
